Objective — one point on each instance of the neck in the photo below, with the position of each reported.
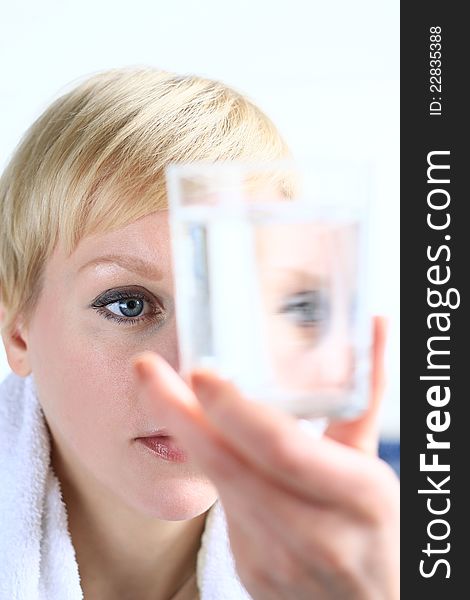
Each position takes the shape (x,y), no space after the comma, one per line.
(122,553)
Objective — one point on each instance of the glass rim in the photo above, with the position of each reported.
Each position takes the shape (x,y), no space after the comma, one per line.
(334,180)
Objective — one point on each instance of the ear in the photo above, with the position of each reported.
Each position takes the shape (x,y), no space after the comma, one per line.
(16,346)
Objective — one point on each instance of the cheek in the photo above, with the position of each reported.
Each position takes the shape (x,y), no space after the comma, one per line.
(83,372)
(82,381)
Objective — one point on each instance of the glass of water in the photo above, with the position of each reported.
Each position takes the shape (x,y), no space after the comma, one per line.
(270,268)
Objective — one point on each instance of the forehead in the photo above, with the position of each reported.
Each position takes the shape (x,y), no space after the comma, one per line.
(143,246)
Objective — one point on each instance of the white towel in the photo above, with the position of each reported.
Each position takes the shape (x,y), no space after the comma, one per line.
(37,558)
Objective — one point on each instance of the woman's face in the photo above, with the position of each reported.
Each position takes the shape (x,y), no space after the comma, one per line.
(80,342)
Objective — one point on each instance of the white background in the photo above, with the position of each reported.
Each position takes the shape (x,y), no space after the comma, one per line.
(326,72)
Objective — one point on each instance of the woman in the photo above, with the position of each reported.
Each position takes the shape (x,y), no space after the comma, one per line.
(89,322)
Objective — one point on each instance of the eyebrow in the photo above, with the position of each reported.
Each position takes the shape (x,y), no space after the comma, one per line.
(128,262)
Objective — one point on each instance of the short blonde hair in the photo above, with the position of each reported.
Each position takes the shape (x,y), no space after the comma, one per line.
(94,162)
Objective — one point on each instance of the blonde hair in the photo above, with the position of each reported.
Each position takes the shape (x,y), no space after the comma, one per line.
(94,162)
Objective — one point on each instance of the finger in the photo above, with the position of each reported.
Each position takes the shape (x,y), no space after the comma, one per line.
(186,419)
(274,443)
(236,431)
(227,469)
(180,412)
(363,433)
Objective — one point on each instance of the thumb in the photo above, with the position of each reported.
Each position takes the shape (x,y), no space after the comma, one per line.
(363,433)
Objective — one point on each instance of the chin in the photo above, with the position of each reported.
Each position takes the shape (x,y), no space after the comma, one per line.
(176,501)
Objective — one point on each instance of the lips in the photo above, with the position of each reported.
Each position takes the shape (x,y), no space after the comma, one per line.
(163,446)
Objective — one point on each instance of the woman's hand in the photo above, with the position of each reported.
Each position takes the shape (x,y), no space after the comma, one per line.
(307,518)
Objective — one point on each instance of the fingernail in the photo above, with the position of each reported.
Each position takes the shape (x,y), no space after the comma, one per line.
(204,389)
(144,370)
(210,388)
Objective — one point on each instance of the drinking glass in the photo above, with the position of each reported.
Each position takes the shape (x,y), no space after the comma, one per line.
(270,271)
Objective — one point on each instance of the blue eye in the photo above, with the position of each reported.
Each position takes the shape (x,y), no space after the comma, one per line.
(307,308)
(131,307)
(127,306)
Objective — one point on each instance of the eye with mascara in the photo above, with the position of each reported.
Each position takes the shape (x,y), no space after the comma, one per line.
(128,307)
(308,308)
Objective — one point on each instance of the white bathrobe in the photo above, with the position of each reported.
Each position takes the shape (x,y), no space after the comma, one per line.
(37,558)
